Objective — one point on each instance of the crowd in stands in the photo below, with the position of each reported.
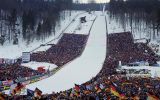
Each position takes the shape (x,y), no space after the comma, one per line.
(122,48)
(108,84)
(15,71)
(68,48)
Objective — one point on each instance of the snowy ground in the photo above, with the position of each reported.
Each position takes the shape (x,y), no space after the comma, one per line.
(83,68)
(35,65)
(81,28)
(14,51)
(115,27)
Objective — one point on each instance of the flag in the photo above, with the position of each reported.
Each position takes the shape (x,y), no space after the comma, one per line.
(7,83)
(114,84)
(77,94)
(17,88)
(113,91)
(30,93)
(37,93)
(6,87)
(96,87)
(77,90)
(151,97)
(77,87)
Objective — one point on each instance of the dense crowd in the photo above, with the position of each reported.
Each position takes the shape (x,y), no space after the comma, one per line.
(128,88)
(15,71)
(110,85)
(122,48)
(68,48)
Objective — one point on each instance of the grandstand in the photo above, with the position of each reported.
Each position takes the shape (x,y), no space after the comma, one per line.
(68,48)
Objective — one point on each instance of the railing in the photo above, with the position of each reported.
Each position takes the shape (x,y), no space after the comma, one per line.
(106,36)
(28,80)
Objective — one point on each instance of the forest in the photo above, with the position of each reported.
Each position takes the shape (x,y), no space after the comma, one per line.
(29,18)
(139,15)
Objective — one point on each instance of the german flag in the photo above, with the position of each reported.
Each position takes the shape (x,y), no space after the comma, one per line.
(37,93)
(96,87)
(77,94)
(114,91)
(17,88)
(30,93)
(152,97)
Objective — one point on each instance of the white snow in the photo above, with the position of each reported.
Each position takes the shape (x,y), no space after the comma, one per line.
(11,51)
(83,68)
(35,65)
(81,28)
(115,27)
(140,41)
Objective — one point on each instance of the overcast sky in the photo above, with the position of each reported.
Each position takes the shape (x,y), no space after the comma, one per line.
(98,1)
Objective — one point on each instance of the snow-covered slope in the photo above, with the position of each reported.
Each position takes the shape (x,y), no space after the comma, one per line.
(83,68)
(14,51)
(81,28)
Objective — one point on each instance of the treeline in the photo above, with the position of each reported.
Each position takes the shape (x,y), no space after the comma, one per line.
(29,18)
(35,4)
(89,6)
(137,14)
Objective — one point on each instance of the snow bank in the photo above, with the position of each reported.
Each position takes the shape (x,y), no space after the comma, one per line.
(35,65)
